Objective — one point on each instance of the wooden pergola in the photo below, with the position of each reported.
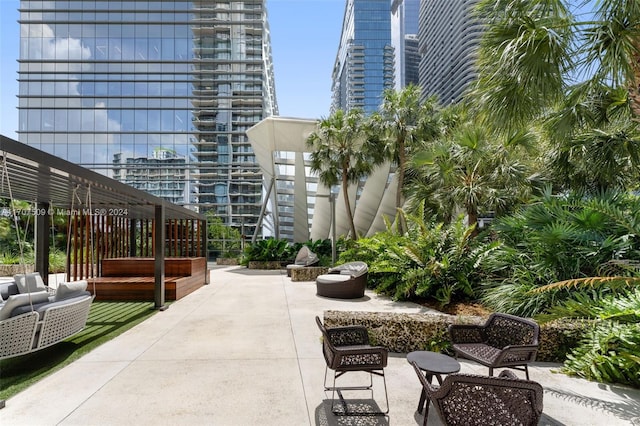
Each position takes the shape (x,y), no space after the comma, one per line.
(107,218)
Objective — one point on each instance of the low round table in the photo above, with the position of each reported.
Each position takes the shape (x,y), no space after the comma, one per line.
(433,364)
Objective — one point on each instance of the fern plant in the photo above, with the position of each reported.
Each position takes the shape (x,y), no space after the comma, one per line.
(560,238)
(429,260)
(610,352)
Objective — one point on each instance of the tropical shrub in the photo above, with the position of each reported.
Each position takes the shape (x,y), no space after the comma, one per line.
(559,238)
(57,261)
(267,250)
(430,260)
(223,240)
(610,351)
(9,259)
(322,248)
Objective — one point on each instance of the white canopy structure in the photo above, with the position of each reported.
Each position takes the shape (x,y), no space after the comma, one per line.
(301,205)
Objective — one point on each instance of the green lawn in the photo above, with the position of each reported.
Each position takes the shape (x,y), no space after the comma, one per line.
(106,321)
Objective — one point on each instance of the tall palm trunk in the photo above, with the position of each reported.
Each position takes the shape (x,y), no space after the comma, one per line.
(402,161)
(634,84)
(472,217)
(347,204)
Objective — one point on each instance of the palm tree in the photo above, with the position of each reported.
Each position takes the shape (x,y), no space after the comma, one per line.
(524,57)
(402,124)
(340,153)
(578,75)
(469,171)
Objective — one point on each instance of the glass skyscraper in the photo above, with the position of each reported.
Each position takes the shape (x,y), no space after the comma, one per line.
(107,83)
(364,65)
(404,38)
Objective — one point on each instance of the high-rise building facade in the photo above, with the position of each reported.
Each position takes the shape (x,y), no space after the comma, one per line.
(162,175)
(404,36)
(364,65)
(108,80)
(448,39)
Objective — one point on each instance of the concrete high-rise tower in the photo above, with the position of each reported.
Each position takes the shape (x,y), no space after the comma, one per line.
(105,80)
(448,40)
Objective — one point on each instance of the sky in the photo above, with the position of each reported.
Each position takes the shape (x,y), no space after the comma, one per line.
(304,42)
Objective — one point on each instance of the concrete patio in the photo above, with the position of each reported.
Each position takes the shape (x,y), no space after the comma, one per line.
(245,350)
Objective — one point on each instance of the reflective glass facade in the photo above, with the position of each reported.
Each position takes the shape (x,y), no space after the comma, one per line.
(364,65)
(404,36)
(107,83)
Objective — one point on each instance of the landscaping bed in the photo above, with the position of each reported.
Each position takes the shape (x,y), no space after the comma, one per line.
(404,332)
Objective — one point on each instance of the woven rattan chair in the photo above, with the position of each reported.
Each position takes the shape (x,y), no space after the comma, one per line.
(304,258)
(504,341)
(471,400)
(346,281)
(347,349)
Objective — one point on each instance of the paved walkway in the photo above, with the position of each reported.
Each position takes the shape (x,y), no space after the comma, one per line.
(245,350)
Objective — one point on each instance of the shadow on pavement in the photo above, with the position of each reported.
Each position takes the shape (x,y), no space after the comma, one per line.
(324,416)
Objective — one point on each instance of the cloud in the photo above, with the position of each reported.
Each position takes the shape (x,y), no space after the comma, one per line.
(42,44)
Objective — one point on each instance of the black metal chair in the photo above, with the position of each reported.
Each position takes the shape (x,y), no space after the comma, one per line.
(504,341)
(347,349)
(472,400)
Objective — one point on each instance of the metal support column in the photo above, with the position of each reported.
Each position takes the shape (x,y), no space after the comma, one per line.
(159,243)
(42,219)
(262,212)
(332,200)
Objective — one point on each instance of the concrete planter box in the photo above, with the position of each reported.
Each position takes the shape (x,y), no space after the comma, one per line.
(11,270)
(403,333)
(273,264)
(226,261)
(308,273)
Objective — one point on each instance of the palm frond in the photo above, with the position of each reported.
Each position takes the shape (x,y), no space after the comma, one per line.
(592,282)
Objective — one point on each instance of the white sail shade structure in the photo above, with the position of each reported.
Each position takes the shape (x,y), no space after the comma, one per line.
(300,204)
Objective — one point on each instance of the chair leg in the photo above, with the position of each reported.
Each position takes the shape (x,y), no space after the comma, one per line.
(490,371)
(336,389)
(526,371)
(386,394)
(426,413)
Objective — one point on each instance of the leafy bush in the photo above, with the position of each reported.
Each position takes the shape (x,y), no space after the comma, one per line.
(223,240)
(57,261)
(429,260)
(9,259)
(610,350)
(557,239)
(609,353)
(320,247)
(270,249)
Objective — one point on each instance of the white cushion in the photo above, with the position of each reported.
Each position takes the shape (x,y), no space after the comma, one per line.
(32,283)
(354,269)
(18,300)
(71,289)
(332,278)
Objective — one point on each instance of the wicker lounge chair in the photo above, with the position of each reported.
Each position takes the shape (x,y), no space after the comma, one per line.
(347,349)
(346,281)
(304,258)
(504,341)
(471,400)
